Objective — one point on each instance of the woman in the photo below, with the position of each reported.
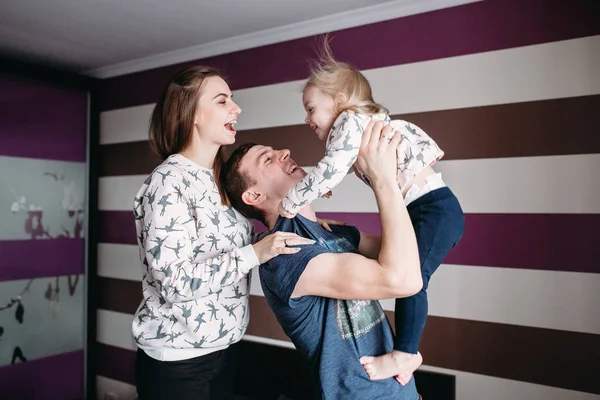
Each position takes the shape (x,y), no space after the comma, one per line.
(196,252)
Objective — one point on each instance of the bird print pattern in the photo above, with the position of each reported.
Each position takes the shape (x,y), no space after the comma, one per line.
(196,256)
(415,151)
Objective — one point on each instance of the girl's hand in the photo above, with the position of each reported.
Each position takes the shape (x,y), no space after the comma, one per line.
(326,222)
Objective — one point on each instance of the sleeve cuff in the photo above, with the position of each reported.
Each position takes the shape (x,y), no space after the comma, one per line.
(250,258)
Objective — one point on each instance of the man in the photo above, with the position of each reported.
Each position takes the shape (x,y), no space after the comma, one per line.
(323,295)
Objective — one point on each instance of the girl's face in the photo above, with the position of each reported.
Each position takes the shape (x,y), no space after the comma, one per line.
(216,113)
(320,113)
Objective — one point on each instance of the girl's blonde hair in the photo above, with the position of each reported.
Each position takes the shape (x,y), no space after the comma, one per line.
(333,77)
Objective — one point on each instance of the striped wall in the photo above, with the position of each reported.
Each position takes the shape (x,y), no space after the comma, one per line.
(510,89)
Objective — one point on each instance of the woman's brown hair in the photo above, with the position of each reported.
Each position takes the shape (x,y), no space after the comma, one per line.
(172,121)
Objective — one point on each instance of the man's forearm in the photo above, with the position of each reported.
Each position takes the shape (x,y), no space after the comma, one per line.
(399,253)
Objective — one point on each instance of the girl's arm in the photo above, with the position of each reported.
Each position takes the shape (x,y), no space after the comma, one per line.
(341,152)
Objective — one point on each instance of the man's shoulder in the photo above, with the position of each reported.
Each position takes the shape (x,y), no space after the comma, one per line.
(307,252)
(280,275)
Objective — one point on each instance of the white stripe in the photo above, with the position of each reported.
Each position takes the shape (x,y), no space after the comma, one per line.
(550,184)
(129,124)
(273,342)
(476,387)
(121,261)
(543,299)
(114,329)
(546,71)
(110,389)
(117,192)
(255,288)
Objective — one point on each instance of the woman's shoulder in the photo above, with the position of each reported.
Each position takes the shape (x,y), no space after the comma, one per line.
(175,171)
(165,175)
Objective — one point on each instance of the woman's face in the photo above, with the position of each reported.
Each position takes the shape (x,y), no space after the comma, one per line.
(216,113)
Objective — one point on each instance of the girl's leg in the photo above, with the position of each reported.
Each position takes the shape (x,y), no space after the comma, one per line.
(438,222)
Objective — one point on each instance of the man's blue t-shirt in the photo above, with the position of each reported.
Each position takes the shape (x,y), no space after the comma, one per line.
(332,334)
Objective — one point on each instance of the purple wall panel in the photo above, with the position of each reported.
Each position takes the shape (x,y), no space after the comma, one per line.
(41,120)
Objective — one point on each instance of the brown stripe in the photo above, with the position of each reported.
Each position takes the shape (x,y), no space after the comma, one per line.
(543,356)
(129,158)
(115,363)
(262,320)
(564,359)
(119,294)
(125,296)
(538,128)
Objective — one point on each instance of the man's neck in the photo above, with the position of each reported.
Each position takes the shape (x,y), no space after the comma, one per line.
(307,212)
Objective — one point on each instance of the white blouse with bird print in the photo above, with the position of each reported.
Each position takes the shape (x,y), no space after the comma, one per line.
(196,257)
(415,151)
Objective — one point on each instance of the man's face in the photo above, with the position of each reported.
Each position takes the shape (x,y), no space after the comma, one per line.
(274,171)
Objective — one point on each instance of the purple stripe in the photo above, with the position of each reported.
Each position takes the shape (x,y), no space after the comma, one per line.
(55,377)
(40,120)
(116,363)
(557,242)
(554,242)
(117,227)
(25,259)
(473,28)
(366,222)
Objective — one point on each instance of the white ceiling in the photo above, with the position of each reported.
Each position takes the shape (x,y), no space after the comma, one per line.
(112,37)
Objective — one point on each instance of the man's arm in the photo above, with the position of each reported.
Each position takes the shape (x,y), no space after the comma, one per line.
(351,276)
(396,272)
(369,245)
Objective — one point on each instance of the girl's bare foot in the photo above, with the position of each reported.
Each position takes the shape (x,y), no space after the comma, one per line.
(397,363)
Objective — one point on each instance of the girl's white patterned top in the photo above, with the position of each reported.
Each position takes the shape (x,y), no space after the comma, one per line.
(416,151)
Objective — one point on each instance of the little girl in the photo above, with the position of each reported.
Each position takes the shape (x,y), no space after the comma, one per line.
(339,104)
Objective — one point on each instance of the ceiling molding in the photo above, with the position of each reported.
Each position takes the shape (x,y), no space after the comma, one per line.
(344,20)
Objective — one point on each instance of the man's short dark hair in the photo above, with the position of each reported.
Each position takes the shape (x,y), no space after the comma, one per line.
(235,182)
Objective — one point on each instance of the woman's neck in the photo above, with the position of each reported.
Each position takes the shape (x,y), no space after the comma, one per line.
(202,155)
